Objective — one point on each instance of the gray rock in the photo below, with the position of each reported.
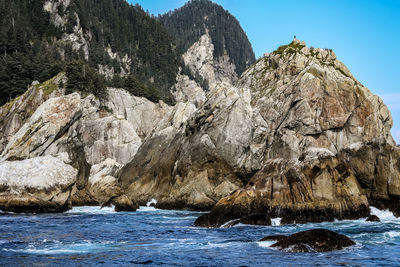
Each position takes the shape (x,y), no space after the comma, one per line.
(41,184)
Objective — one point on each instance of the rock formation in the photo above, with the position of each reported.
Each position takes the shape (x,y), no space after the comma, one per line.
(315,240)
(296,137)
(327,152)
(199,58)
(41,184)
(373,218)
(295,129)
(83,131)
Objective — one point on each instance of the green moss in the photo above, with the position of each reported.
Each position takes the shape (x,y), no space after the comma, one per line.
(107,109)
(7,106)
(341,71)
(315,73)
(48,86)
(291,48)
(22,139)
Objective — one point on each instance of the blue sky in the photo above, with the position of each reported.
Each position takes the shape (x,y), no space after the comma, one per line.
(364,34)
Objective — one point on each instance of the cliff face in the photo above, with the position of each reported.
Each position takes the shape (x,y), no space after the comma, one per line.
(81,130)
(213,46)
(327,149)
(291,129)
(296,137)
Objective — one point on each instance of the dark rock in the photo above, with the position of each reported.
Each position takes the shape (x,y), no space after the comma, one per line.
(257,219)
(315,240)
(83,198)
(32,205)
(373,218)
(273,238)
(123,203)
(77,154)
(392,204)
(231,223)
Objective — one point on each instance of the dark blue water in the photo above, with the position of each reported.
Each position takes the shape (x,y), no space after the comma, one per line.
(89,236)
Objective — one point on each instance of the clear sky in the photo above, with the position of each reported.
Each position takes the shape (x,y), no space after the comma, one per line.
(364,34)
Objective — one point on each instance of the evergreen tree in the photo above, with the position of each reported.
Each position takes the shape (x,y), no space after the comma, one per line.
(188,23)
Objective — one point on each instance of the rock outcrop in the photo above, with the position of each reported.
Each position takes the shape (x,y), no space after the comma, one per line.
(202,64)
(123,203)
(328,153)
(200,59)
(36,185)
(373,218)
(296,137)
(15,113)
(315,240)
(83,132)
(295,129)
(102,184)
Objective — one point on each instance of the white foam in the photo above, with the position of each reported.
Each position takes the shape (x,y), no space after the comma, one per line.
(392,235)
(276,221)
(92,210)
(152,201)
(146,208)
(73,248)
(229,223)
(384,215)
(266,244)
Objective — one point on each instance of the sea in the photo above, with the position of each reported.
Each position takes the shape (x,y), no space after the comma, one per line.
(90,236)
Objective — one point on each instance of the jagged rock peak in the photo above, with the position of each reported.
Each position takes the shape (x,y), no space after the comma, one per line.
(308,98)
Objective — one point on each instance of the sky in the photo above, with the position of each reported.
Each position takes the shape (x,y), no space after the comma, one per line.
(364,34)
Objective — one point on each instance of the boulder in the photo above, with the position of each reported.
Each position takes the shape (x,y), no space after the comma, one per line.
(273,238)
(124,203)
(373,218)
(102,183)
(37,185)
(315,240)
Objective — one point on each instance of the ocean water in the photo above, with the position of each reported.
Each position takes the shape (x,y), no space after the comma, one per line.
(89,236)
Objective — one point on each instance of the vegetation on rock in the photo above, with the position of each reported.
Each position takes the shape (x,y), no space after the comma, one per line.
(188,23)
(32,47)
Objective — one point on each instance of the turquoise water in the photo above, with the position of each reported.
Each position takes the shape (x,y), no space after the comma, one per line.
(88,236)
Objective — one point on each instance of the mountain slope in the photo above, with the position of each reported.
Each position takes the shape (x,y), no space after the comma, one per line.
(122,42)
(188,23)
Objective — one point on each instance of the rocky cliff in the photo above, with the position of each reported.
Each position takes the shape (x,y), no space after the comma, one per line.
(213,45)
(296,137)
(294,129)
(81,130)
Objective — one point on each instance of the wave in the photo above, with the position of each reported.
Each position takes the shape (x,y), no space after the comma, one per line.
(146,208)
(57,247)
(152,201)
(384,215)
(276,221)
(230,223)
(92,210)
(265,244)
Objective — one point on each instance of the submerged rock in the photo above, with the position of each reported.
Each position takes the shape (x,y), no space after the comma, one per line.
(273,238)
(373,218)
(316,240)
